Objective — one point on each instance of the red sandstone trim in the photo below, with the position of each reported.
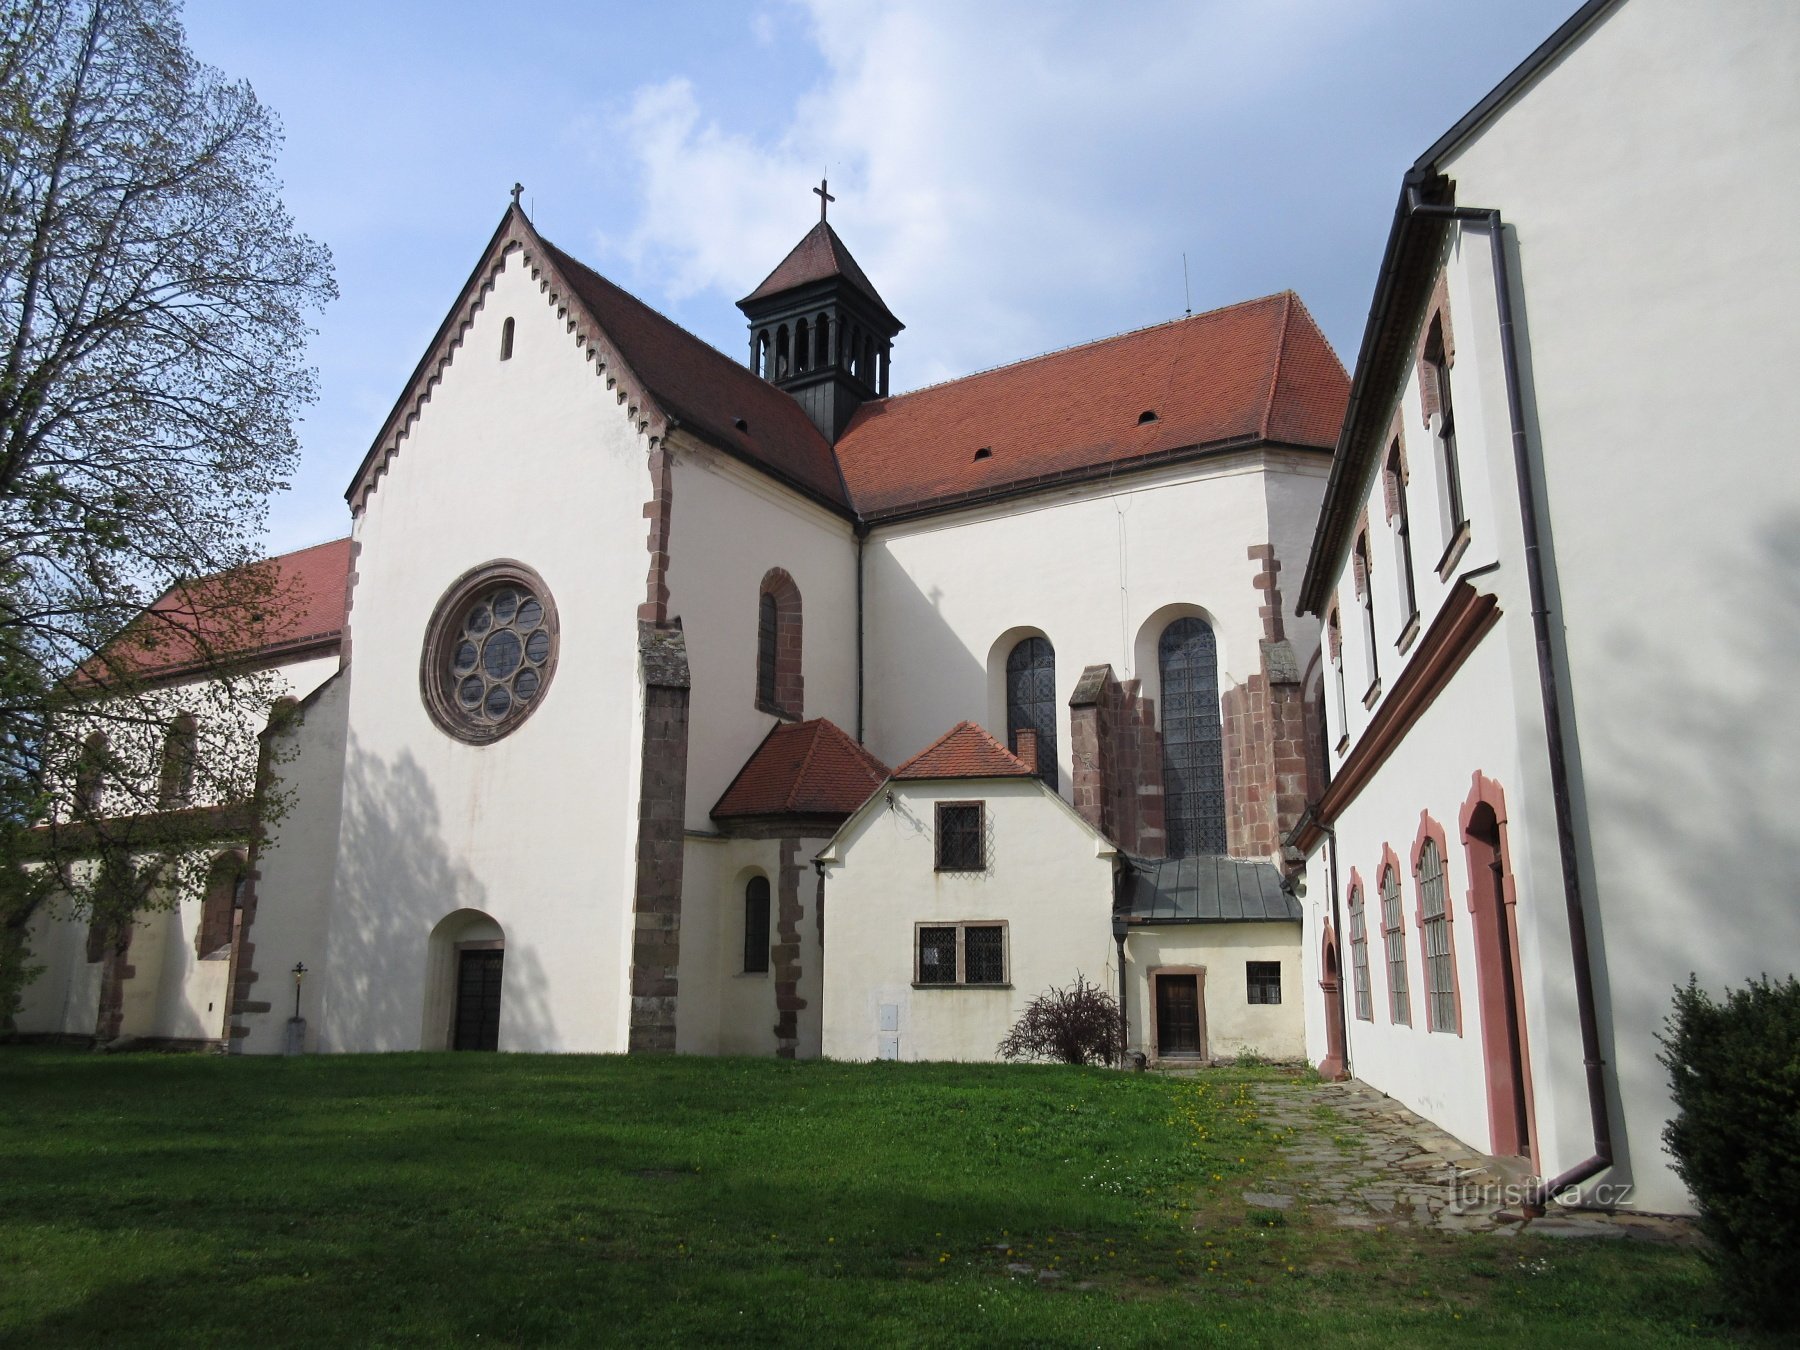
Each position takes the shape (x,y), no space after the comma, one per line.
(1436,311)
(1464,620)
(1490,973)
(1430,829)
(1330,984)
(786,952)
(1390,863)
(790,682)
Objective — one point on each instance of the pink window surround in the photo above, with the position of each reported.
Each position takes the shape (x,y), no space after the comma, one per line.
(789,691)
(1393,953)
(1332,1067)
(1360,985)
(1430,829)
(1485,808)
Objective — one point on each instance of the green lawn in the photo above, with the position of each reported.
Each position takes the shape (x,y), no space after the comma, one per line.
(441,1199)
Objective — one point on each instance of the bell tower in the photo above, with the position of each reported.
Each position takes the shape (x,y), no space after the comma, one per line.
(819,330)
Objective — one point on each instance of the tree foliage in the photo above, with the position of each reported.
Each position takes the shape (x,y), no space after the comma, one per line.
(1734,1070)
(1076,1025)
(154,298)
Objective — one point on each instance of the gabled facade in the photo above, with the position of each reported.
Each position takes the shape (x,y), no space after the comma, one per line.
(634,627)
(1555,568)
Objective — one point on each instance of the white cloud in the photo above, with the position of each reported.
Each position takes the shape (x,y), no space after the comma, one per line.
(1012,176)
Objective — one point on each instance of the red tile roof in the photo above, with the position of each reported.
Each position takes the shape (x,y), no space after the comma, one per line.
(705,390)
(820,256)
(1257,371)
(298,606)
(803,769)
(964,751)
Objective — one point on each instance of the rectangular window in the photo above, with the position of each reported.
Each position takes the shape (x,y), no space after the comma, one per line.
(1399,992)
(937,955)
(1440,974)
(1359,960)
(1437,370)
(961,954)
(1262,981)
(984,955)
(1365,576)
(959,837)
(1396,483)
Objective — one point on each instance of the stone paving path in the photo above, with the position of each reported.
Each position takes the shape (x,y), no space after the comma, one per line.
(1365,1161)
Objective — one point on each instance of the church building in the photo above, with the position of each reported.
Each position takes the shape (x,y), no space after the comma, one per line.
(627,634)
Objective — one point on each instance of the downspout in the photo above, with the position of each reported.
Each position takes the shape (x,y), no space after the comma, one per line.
(862,534)
(1550,690)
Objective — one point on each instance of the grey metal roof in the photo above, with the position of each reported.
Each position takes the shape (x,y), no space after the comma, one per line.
(1209,889)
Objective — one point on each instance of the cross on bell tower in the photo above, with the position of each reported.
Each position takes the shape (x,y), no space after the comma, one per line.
(818,328)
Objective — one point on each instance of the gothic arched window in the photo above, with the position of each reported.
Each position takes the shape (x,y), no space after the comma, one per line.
(756,926)
(765,649)
(1193,743)
(780,688)
(175,784)
(1031,700)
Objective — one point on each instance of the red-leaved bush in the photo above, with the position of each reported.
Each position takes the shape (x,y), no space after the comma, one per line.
(1077,1025)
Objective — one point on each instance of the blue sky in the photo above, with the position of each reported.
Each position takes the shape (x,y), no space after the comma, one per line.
(1014,177)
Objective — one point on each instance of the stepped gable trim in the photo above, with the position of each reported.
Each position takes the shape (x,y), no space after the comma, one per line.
(964,751)
(515,233)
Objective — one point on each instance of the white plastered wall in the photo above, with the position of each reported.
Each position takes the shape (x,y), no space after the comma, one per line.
(1657,339)
(531,459)
(1232,1025)
(1088,568)
(1049,879)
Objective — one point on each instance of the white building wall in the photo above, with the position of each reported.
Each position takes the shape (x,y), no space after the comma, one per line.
(1049,879)
(1232,1025)
(530,459)
(1653,305)
(728,527)
(1099,569)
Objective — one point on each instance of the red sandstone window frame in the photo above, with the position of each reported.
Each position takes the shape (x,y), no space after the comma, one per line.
(1433,833)
(1393,939)
(784,695)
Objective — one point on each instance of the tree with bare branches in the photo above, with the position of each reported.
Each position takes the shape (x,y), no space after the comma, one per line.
(154,303)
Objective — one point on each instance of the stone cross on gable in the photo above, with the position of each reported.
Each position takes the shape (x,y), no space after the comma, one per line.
(825,198)
(517,188)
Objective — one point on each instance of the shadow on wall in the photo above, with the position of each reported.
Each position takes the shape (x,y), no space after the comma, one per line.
(1696,772)
(399,877)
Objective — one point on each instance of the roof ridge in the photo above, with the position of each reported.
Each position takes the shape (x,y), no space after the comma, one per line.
(867,756)
(812,747)
(1076,347)
(1281,340)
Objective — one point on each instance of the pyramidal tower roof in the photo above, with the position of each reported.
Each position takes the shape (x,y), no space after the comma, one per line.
(819,256)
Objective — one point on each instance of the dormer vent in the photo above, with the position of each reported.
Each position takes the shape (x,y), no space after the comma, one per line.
(740,424)
(986,452)
(1147,416)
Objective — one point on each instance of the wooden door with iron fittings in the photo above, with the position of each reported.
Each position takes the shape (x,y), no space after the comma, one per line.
(477,1025)
(1178,1015)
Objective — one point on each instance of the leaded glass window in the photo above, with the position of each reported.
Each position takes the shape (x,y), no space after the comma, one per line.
(959,837)
(1262,981)
(1031,700)
(1359,958)
(1393,932)
(937,955)
(756,926)
(765,649)
(1440,973)
(1193,742)
(984,954)
(490,652)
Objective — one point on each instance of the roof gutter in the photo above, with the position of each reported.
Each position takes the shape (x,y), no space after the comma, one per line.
(1549,687)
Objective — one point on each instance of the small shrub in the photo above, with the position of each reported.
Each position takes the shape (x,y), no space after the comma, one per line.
(1249,1059)
(1077,1025)
(1734,1068)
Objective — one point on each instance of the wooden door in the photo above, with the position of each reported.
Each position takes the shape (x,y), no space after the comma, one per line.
(477,1024)
(1177,1015)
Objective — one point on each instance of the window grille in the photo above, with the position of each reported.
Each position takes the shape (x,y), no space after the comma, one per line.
(959,841)
(1262,981)
(1193,741)
(1440,973)
(984,959)
(937,956)
(756,926)
(961,954)
(1359,958)
(1399,995)
(1031,700)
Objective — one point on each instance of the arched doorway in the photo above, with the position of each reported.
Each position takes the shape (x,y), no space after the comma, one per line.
(1493,906)
(1332,1066)
(465,981)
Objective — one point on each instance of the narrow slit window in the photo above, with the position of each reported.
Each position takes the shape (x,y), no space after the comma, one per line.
(756,926)
(1397,512)
(506,340)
